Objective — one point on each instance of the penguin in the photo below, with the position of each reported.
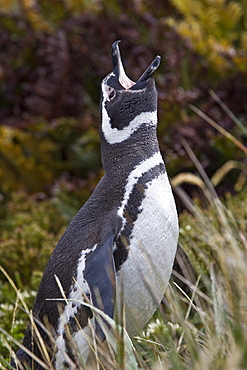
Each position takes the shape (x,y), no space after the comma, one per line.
(118,251)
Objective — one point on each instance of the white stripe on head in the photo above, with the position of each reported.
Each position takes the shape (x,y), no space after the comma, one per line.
(114,135)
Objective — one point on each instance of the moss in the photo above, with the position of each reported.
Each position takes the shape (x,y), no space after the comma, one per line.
(29,232)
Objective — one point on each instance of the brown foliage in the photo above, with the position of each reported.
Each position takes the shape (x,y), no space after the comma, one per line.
(52,72)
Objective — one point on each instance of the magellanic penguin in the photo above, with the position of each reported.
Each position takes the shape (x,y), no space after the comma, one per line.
(120,247)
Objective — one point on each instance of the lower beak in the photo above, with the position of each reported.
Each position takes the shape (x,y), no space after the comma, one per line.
(120,73)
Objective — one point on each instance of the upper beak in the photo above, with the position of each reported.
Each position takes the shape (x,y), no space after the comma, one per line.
(118,67)
(120,73)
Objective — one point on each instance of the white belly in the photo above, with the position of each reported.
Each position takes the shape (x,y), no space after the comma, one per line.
(144,276)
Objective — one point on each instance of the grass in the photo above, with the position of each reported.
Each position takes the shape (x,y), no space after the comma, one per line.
(202,322)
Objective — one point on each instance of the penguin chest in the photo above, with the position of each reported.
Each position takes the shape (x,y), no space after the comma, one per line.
(143,277)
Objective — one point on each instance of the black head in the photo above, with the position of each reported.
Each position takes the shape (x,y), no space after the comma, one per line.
(127,105)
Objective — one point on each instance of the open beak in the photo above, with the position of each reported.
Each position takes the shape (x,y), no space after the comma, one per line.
(124,80)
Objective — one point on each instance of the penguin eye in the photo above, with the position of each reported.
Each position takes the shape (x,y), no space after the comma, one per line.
(111,93)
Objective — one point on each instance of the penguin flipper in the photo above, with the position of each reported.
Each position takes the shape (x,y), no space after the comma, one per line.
(100,275)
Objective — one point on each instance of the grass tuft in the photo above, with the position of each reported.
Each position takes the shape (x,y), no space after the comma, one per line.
(202,321)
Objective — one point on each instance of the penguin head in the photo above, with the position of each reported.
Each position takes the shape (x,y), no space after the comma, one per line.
(127,106)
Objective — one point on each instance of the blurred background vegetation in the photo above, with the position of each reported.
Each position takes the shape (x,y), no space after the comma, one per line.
(53,56)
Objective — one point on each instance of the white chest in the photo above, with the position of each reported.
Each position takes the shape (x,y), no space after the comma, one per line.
(145,274)
(143,277)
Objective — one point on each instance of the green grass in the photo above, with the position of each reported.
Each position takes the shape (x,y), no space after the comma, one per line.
(202,322)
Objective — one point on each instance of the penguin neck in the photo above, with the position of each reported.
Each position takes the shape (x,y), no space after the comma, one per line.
(120,159)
